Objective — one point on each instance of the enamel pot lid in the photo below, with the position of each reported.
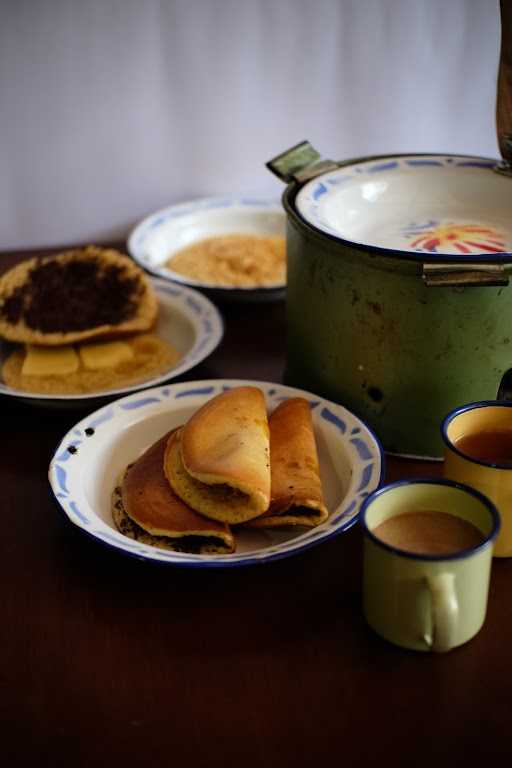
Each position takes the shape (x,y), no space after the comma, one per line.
(425,207)
(443,205)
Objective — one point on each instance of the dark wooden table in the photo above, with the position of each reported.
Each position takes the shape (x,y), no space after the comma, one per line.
(108,661)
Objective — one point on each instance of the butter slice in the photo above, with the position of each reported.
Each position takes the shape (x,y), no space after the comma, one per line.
(106,354)
(49,361)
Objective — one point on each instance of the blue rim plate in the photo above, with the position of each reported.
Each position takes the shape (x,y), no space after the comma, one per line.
(187,320)
(153,241)
(91,456)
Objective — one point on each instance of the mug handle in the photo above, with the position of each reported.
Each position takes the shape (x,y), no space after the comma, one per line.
(445,612)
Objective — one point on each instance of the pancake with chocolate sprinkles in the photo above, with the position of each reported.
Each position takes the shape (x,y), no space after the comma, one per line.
(145,508)
(73,296)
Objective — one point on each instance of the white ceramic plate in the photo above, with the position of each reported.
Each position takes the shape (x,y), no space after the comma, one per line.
(165,232)
(91,455)
(186,319)
(439,204)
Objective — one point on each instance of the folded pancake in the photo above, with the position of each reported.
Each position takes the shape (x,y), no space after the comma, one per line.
(218,463)
(296,495)
(145,508)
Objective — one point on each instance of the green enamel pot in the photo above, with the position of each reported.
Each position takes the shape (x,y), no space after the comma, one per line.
(398,297)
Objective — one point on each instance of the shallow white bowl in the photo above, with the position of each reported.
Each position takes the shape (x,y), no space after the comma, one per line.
(90,457)
(159,236)
(441,204)
(186,319)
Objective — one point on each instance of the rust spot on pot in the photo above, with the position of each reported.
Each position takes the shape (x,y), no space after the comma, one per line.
(375,307)
(376,394)
(312,270)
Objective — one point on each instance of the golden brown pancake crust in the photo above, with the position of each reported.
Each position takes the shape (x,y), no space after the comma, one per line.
(296,496)
(192,544)
(219,464)
(150,502)
(228,439)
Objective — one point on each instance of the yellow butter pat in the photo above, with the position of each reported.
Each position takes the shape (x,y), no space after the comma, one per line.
(106,354)
(49,361)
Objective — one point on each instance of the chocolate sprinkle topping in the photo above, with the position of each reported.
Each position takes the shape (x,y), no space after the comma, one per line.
(73,296)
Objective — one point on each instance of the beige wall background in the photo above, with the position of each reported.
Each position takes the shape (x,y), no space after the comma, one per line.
(110,109)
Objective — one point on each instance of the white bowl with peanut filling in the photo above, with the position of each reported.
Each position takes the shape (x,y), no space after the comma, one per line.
(232,248)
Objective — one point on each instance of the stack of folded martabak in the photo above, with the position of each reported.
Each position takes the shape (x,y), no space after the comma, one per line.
(229,465)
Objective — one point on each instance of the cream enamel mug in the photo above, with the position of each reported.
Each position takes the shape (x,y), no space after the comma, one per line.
(427,602)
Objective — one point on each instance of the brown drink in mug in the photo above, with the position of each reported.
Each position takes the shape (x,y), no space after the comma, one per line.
(429,532)
(478,452)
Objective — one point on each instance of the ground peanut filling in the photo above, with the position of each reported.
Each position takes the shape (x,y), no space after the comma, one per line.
(235,260)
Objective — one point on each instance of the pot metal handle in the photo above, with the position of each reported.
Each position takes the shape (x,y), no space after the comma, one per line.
(464,275)
(300,163)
